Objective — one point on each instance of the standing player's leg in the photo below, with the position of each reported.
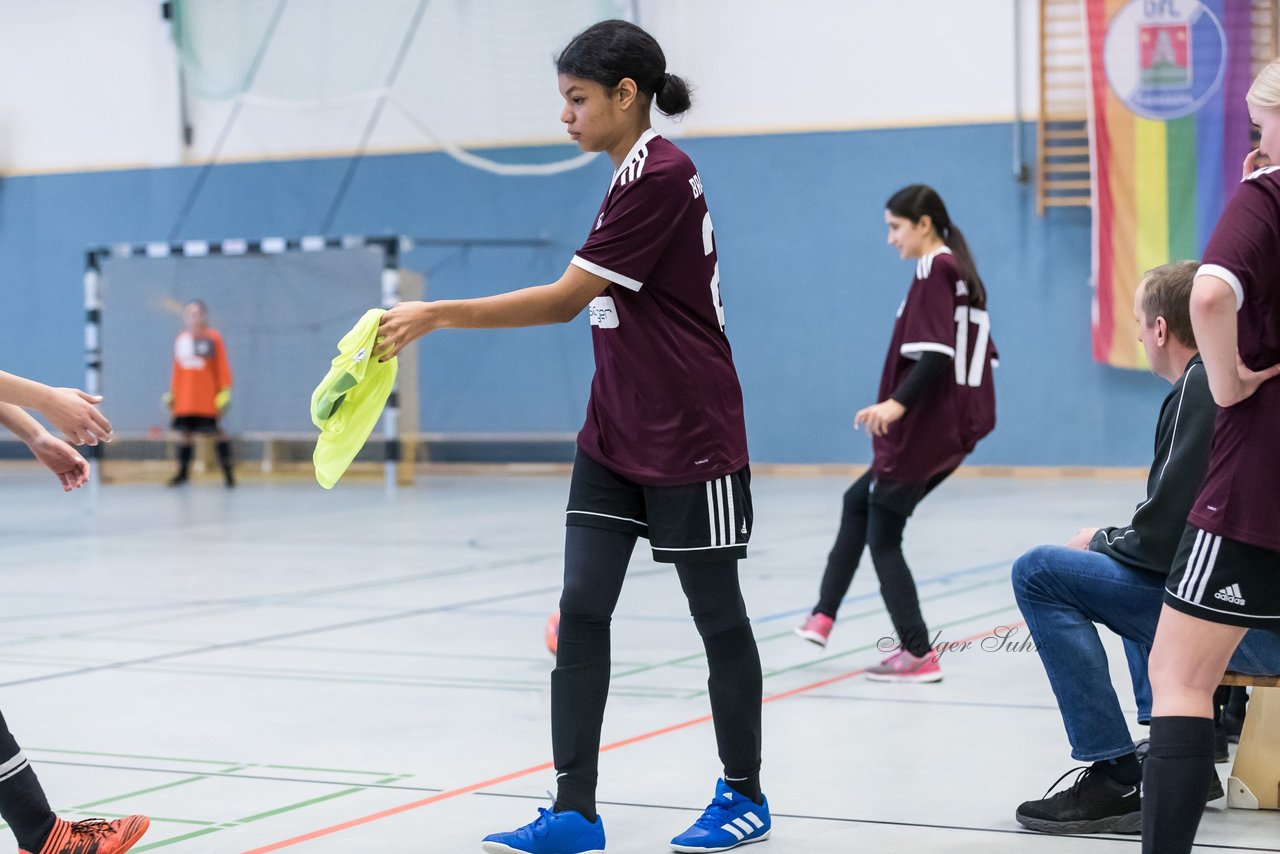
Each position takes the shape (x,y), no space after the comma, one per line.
(595,564)
(25,809)
(739,813)
(915,661)
(1188,659)
(186,449)
(22,801)
(842,562)
(734,682)
(222,444)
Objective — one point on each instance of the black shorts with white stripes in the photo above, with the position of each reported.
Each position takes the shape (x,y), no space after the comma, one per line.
(701,521)
(1225,581)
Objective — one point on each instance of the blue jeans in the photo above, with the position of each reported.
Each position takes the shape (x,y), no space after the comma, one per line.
(1063,593)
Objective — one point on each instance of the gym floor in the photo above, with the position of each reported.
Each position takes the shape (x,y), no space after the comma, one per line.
(283,668)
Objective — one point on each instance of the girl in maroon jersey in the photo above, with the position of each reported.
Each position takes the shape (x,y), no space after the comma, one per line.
(936,401)
(663,452)
(1226,575)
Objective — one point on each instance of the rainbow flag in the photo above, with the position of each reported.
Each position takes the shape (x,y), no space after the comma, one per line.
(1169,131)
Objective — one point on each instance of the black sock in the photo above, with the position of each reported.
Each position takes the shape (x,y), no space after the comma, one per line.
(735,685)
(22,802)
(1125,770)
(748,787)
(579,690)
(1175,783)
(223,448)
(184,460)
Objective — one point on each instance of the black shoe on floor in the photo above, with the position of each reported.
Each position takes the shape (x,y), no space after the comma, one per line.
(1094,804)
(1233,714)
(1221,752)
(1215,789)
(178,480)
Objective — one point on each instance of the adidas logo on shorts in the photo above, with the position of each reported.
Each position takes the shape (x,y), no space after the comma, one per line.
(1230,594)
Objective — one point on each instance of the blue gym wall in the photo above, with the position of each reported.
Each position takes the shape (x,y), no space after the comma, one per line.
(809,285)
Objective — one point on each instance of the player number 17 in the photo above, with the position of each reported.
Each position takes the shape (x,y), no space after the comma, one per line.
(969,370)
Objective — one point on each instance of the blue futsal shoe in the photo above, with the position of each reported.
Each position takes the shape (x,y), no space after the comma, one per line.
(729,821)
(550,833)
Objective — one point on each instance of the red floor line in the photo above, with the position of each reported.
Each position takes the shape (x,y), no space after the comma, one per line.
(515,775)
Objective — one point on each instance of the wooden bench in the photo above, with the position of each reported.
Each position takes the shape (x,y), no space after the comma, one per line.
(1255,775)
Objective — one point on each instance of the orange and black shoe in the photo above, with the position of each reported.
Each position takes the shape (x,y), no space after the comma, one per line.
(94,836)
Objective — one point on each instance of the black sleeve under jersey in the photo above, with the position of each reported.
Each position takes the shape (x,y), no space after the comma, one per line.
(931,368)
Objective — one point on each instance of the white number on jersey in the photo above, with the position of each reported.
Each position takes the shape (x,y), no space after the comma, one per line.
(969,371)
(186,354)
(708,246)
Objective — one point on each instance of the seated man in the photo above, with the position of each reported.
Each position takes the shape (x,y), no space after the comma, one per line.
(1116,576)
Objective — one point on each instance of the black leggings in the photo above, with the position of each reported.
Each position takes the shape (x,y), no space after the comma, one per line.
(594,569)
(867,524)
(22,802)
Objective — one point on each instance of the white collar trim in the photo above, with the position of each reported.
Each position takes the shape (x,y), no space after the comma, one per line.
(640,143)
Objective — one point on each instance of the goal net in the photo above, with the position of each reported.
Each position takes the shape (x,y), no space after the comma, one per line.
(281,306)
(461,76)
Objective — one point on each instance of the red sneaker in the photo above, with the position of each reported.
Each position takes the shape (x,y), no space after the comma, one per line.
(902,666)
(816,629)
(94,836)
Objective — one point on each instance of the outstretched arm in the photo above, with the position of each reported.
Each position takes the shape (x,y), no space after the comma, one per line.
(60,458)
(70,410)
(558,302)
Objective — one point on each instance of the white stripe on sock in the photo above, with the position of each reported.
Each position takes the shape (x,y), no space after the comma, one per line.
(13,766)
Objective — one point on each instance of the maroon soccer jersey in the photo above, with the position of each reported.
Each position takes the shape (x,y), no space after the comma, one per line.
(666,406)
(945,425)
(1238,499)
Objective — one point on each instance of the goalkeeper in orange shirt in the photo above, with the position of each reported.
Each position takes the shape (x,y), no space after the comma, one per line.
(200,389)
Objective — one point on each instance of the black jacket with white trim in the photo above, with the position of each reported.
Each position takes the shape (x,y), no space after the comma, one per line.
(1183,438)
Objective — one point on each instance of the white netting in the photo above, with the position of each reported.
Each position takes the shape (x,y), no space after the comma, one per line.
(280,315)
(477,74)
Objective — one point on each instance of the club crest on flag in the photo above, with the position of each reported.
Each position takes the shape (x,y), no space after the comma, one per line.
(1165,58)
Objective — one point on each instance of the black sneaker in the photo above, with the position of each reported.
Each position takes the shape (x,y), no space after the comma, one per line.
(1233,714)
(1215,788)
(1221,753)
(1233,724)
(1094,804)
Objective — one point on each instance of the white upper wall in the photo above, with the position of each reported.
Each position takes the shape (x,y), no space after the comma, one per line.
(86,83)
(94,83)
